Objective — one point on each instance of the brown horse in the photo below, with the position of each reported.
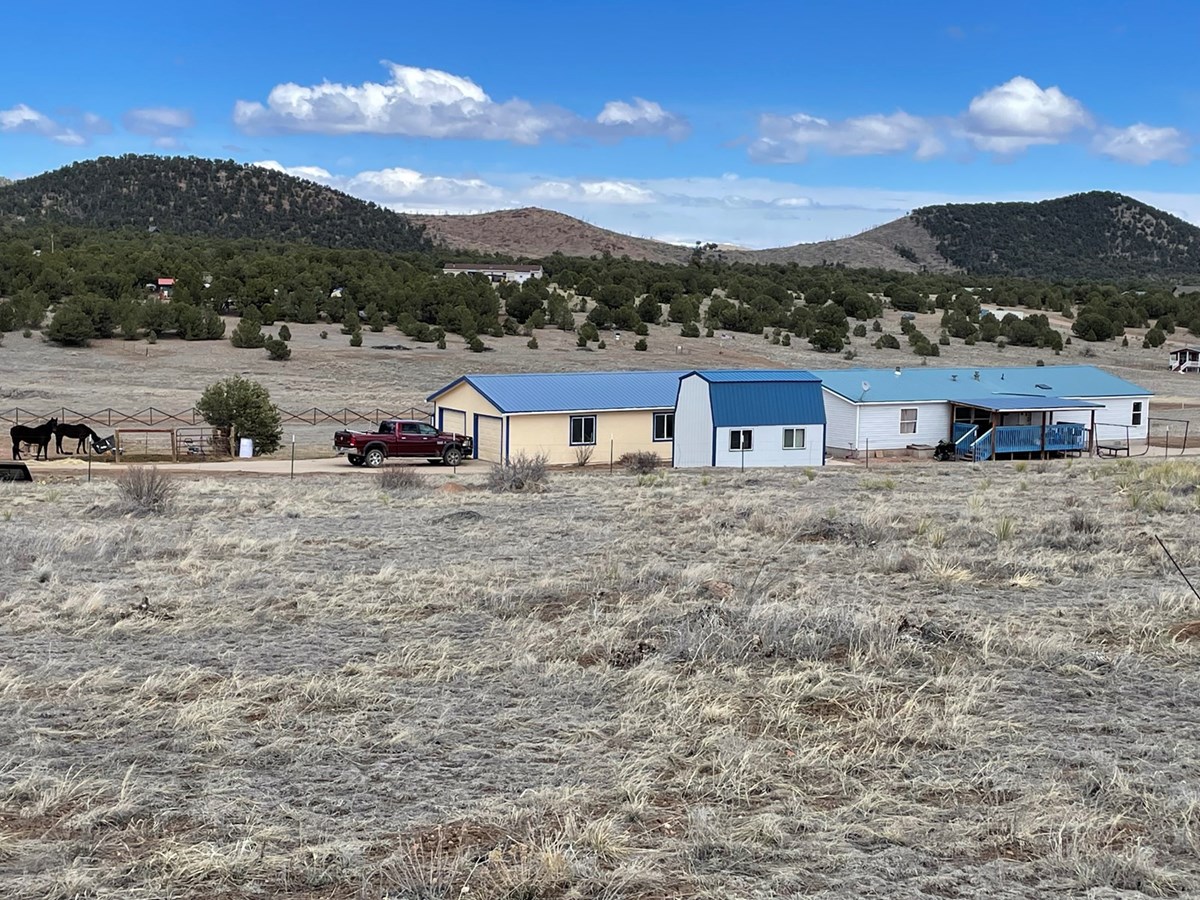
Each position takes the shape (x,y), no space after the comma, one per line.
(38,435)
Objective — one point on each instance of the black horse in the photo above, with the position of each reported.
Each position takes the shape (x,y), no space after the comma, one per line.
(38,436)
(80,433)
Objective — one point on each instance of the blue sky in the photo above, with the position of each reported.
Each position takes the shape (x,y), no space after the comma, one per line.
(759,124)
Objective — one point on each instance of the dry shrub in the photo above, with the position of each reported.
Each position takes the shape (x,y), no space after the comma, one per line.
(520,474)
(583,455)
(396,479)
(146,490)
(643,462)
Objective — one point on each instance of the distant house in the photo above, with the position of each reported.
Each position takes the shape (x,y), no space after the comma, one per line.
(1185,359)
(1001,312)
(495,272)
(991,411)
(163,287)
(749,419)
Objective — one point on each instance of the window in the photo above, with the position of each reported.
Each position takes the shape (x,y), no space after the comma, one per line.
(664,426)
(908,421)
(1137,413)
(583,430)
(793,439)
(410,428)
(741,440)
(427,430)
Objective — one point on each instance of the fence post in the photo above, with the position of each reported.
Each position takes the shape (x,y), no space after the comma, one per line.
(293,475)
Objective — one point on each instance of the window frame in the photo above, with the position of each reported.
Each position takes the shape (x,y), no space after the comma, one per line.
(915,414)
(793,430)
(1136,414)
(583,432)
(665,417)
(745,440)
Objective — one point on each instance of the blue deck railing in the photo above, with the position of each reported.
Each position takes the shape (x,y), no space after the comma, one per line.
(1065,437)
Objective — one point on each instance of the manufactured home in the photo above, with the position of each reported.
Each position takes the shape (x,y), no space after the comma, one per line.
(985,411)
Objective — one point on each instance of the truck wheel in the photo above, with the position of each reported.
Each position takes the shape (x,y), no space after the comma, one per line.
(374,458)
(355,460)
(453,456)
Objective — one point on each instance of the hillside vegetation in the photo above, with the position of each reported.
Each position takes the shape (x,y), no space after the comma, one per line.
(216,198)
(1096,235)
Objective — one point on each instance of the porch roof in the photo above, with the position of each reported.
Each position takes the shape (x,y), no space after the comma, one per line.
(1022,403)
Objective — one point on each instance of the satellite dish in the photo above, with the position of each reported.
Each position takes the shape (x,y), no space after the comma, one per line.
(866,386)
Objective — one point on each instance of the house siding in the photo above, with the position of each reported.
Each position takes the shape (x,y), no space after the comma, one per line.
(841,422)
(617,432)
(767,447)
(879,425)
(693,424)
(1111,418)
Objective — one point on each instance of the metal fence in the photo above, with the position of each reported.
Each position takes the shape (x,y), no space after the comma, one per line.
(152,417)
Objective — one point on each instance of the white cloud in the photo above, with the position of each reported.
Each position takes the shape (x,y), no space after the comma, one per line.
(1142,144)
(311,173)
(1019,114)
(791,138)
(606,192)
(158,121)
(430,103)
(641,118)
(23,119)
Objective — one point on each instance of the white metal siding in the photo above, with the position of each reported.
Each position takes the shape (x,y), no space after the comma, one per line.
(693,424)
(841,421)
(453,421)
(1116,413)
(767,447)
(879,425)
(489,446)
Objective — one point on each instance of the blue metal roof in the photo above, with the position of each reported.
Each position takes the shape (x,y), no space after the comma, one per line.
(786,402)
(574,391)
(1019,403)
(934,383)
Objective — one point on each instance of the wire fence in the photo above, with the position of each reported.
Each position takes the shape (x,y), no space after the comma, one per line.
(152,416)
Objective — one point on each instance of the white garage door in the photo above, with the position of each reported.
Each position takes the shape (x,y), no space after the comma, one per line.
(488,445)
(454,421)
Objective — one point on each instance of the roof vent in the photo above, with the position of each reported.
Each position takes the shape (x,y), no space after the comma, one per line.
(897,371)
(976,375)
(1044,387)
(954,377)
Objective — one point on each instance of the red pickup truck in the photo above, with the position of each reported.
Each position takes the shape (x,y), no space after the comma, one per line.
(403,438)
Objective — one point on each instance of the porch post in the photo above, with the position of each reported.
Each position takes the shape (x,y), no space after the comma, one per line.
(1092,435)
(1044,433)
(995,425)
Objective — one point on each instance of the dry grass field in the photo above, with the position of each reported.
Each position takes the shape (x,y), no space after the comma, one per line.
(922,681)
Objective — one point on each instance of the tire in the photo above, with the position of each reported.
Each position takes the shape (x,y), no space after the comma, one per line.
(355,460)
(374,457)
(453,456)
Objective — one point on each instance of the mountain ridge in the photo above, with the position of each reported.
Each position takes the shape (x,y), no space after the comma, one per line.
(1092,235)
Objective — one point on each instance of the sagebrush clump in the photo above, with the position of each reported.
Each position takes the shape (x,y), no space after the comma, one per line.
(397,479)
(146,490)
(520,473)
(643,462)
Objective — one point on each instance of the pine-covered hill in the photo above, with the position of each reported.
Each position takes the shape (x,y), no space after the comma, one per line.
(1097,235)
(214,198)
